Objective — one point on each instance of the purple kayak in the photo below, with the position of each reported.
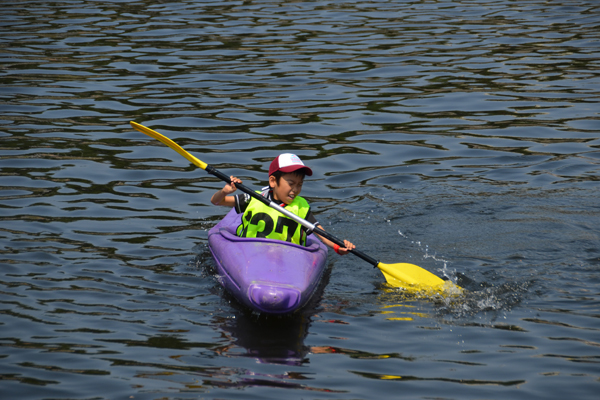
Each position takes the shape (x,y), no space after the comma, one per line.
(266,275)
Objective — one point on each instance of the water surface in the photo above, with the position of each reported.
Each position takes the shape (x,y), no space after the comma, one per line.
(461,136)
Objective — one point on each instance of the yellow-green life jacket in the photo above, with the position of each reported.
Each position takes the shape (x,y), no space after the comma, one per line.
(261,221)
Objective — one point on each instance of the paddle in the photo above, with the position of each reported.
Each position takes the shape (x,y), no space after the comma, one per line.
(407,276)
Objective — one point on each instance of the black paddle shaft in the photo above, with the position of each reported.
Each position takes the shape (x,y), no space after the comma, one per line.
(211,170)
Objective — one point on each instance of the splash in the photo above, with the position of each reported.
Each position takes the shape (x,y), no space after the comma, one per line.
(492,299)
(445,272)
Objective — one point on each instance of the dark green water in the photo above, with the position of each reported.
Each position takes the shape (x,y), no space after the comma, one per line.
(461,136)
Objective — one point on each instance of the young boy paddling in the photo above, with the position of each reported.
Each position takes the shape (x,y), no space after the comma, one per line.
(286,176)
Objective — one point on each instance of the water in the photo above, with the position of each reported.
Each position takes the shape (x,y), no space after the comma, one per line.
(461,136)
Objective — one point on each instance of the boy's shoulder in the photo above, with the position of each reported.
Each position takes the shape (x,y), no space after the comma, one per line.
(241,202)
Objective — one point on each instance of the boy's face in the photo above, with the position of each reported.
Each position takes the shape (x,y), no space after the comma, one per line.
(289,186)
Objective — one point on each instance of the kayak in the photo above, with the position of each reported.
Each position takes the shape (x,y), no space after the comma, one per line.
(266,275)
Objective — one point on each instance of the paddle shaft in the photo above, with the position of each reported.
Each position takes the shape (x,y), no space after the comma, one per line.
(408,276)
(211,170)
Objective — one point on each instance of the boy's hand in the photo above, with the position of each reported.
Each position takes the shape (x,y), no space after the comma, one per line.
(230,187)
(344,250)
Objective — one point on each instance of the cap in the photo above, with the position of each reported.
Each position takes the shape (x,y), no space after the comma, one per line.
(288,162)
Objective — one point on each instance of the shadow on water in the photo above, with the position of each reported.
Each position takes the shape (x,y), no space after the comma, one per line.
(268,339)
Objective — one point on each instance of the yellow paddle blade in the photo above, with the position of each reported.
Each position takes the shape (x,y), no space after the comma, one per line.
(413,278)
(169,143)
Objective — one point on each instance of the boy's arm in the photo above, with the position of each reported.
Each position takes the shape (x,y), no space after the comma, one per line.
(222,198)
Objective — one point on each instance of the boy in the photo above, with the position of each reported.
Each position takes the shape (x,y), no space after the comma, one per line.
(286,176)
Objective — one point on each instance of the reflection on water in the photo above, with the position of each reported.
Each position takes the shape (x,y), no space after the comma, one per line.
(461,136)
(268,339)
(272,340)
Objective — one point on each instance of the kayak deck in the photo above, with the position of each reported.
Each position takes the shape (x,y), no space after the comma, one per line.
(268,276)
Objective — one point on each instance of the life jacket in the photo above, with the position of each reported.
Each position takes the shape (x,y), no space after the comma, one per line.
(261,221)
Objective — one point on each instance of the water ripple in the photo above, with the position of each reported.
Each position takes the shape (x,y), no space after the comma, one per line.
(458,135)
